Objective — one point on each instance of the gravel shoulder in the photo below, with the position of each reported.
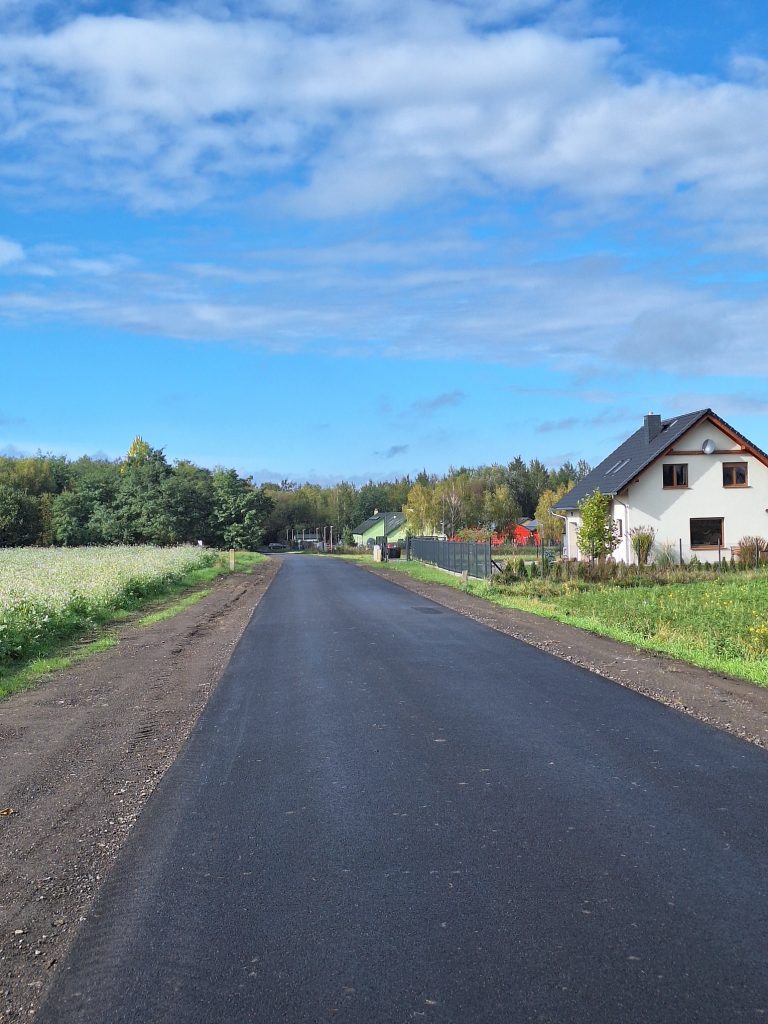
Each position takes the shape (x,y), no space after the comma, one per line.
(79,756)
(736,706)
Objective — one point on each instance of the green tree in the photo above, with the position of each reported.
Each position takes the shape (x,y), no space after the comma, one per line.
(598,535)
(450,502)
(46,533)
(500,509)
(19,517)
(537,483)
(70,514)
(141,514)
(37,475)
(419,510)
(551,527)
(84,512)
(240,510)
(188,503)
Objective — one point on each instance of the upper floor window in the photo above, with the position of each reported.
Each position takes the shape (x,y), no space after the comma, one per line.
(675,474)
(735,474)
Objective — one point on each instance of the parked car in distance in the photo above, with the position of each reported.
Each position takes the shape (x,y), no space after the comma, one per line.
(393,550)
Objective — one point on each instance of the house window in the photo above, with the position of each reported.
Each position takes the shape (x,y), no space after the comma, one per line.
(619,527)
(675,474)
(706,533)
(735,474)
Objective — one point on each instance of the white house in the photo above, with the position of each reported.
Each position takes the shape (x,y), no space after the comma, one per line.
(695,479)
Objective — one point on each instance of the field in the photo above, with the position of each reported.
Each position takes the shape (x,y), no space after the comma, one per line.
(50,594)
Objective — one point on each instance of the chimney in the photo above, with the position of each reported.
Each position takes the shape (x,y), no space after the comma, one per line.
(652,424)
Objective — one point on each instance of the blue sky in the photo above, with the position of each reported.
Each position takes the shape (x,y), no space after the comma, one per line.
(360,238)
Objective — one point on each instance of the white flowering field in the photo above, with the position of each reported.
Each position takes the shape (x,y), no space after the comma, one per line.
(48,592)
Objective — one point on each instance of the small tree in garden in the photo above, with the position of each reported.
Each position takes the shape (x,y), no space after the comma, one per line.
(598,534)
(641,538)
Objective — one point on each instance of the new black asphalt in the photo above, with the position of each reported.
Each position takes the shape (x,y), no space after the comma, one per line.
(390,813)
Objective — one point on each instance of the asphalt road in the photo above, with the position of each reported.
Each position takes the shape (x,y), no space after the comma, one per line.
(388,812)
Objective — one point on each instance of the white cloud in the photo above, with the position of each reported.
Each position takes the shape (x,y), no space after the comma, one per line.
(10,252)
(173,110)
(584,316)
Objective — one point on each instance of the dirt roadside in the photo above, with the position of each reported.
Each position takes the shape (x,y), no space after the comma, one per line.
(738,707)
(79,756)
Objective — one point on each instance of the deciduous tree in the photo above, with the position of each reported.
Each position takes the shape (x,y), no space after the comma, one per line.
(598,535)
(239,510)
(550,526)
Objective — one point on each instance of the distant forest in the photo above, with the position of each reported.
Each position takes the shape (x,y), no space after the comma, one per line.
(143,499)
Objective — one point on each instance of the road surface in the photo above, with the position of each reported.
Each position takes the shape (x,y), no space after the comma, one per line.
(389,813)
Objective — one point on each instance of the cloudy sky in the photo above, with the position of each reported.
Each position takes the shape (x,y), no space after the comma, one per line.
(359,238)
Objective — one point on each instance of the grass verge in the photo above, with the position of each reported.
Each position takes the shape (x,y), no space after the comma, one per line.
(31,672)
(174,609)
(60,653)
(720,624)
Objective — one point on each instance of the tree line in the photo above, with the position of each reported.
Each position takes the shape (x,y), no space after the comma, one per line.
(490,498)
(140,499)
(465,499)
(143,499)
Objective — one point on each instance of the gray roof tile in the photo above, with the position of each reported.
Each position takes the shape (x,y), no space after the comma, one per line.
(631,457)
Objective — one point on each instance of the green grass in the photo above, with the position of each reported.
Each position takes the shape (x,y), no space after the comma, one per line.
(719,624)
(30,673)
(93,634)
(174,609)
(421,571)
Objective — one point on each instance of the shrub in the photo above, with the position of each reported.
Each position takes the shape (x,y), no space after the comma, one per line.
(751,550)
(666,555)
(641,538)
(508,574)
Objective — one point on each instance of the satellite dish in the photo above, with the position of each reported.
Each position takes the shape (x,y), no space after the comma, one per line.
(708,447)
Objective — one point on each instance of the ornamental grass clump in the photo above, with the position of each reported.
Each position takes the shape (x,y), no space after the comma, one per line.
(665,555)
(641,538)
(752,550)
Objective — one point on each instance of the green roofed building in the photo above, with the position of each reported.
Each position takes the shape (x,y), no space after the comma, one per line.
(372,530)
